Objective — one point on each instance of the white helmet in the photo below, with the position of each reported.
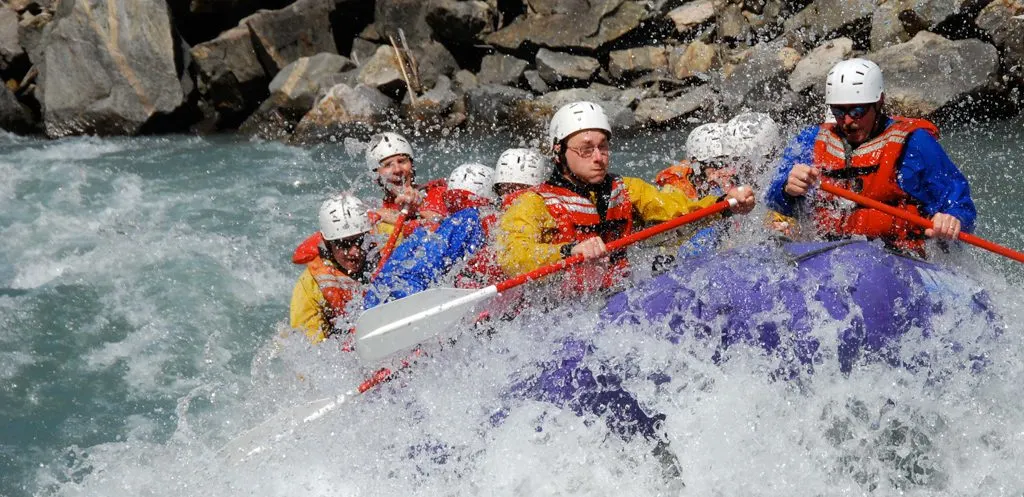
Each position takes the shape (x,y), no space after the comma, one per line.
(475,178)
(706,142)
(343,216)
(385,145)
(854,81)
(523,166)
(577,116)
(751,134)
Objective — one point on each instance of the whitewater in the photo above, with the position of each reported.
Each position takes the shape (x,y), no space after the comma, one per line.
(144,289)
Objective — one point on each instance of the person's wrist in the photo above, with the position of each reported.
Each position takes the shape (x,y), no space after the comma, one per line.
(566,250)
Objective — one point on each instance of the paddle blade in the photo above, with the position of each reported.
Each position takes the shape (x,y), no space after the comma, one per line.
(404,323)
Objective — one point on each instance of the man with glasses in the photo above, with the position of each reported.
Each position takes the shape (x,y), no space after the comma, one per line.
(327,290)
(582,206)
(892,159)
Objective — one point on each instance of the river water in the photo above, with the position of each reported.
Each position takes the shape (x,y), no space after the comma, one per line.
(144,287)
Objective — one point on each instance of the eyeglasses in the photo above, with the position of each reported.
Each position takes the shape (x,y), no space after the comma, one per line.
(854,112)
(587,151)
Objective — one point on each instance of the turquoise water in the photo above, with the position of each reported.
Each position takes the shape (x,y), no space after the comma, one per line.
(144,285)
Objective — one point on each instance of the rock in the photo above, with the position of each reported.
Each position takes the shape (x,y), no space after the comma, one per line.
(103,74)
(465,80)
(897,21)
(616,105)
(732,25)
(637,61)
(435,104)
(228,73)
(298,84)
(823,17)
(362,50)
(764,65)
(501,69)
(930,71)
(810,72)
(14,116)
(495,104)
(549,7)
(349,77)
(1004,22)
(562,69)
(301,29)
(535,82)
(384,72)
(30,35)
(342,111)
(271,121)
(691,15)
(695,59)
(408,15)
(605,20)
(434,60)
(660,112)
(10,47)
(464,22)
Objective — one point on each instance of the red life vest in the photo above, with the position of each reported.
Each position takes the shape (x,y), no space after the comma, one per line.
(871,171)
(578,218)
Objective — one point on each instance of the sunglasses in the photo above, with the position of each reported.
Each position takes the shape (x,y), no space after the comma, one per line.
(348,243)
(854,112)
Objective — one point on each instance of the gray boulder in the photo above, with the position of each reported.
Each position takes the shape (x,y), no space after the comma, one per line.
(695,59)
(501,69)
(822,18)
(109,68)
(640,60)
(301,29)
(465,80)
(930,71)
(660,112)
(692,15)
(30,34)
(10,47)
(897,21)
(14,116)
(362,50)
(299,83)
(464,22)
(767,65)
(342,111)
(228,74)
(408,15)
(435,105)
(535,82)
(496,104)
(1004,22)
(810,72)
(562,69)
(429,61)
(556,24)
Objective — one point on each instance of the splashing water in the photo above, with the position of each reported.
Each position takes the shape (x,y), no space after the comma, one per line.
(144,286)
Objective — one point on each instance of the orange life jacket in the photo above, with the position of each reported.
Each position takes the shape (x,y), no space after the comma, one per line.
(871,171)
(338,289)
(578,218)
(679,176)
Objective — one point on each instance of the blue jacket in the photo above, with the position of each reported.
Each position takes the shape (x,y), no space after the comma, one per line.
(425,256)
(925,173)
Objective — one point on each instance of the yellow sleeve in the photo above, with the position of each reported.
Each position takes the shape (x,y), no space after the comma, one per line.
(655,206)
(307,308)
(524,235)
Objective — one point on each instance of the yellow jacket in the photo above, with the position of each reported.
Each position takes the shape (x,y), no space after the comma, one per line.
(307,308)
(526,228)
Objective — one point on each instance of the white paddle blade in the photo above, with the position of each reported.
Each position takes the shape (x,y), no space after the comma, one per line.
(404,323)
(281,425)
